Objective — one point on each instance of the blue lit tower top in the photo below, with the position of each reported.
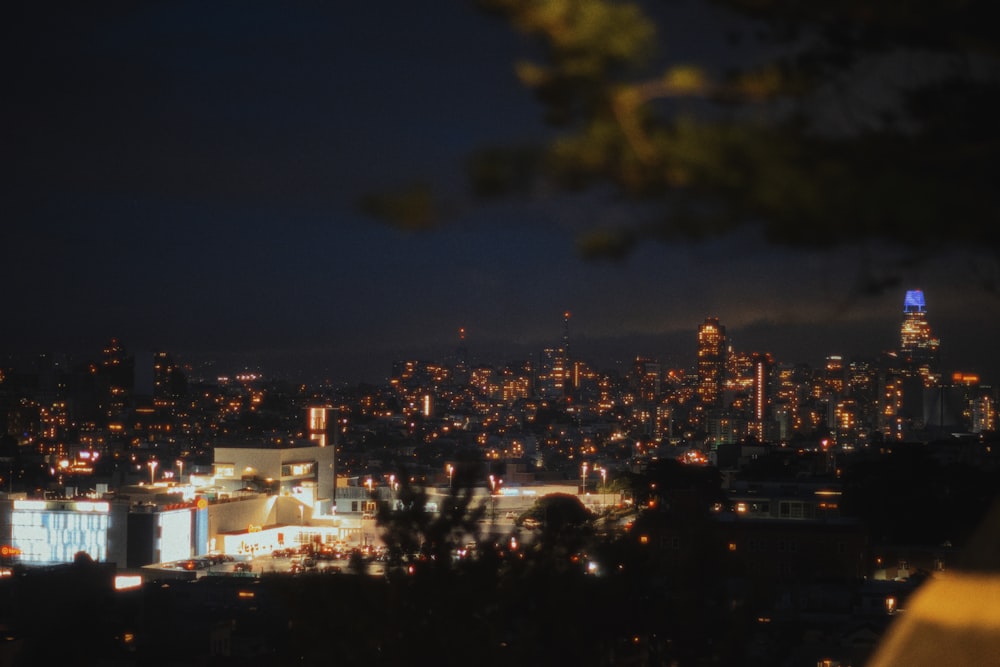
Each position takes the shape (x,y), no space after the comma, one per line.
(914,302)
(917,346)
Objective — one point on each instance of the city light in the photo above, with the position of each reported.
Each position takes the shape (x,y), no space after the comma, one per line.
(125,582)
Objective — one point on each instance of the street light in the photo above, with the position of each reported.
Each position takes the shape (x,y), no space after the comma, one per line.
(450,469)
(583,477)
(494,483)
(604,485)
(152,470)
(180,470)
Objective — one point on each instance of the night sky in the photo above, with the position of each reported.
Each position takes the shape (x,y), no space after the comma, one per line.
(185,176)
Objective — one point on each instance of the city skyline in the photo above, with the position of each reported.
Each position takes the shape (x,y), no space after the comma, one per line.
(187,178)
(678,350)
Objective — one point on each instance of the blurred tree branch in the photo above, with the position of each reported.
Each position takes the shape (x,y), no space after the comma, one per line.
(702,152)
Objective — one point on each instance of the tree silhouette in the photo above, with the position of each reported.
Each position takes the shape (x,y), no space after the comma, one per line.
(411,532)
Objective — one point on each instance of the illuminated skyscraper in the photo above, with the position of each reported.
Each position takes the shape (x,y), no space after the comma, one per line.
(552,373)
(834,375)
(554,377)
(645,378)
(763,390)
(117,378)
(918,349)
(711,360)
(169,381)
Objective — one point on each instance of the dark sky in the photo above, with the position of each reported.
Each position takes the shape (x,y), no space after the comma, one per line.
(184,176)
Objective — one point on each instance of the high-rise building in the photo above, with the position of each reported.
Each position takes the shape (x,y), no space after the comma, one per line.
(117,378)
(918,349)
(554,376)
(834,376)
(711,361)
(763,363)
(645,379)
(552,373)
(169,381)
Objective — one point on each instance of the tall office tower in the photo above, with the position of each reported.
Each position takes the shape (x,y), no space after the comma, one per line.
(711,360)
(117,378)
(983,413)
(834,376)
(552,373)
(169,381)
(862,386)
(739,370)
(460,365)
(565,345)
(645,379)
(917,347)
(554,370)
(763,364)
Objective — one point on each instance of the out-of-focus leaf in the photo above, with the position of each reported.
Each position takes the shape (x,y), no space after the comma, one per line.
(412,208)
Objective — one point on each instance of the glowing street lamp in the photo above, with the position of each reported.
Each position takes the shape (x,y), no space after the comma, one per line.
(180,470)
(152,470)
(450,469)
(604,486)
(494,483)
(583,477)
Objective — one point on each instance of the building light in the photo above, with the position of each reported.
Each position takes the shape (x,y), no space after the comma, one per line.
(124,582)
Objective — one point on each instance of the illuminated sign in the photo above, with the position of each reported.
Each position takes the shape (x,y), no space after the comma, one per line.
(124,582)
(174,542)
(30,504)
(70,506)
(225,469)
(86,506)
(7,551)
(54,532)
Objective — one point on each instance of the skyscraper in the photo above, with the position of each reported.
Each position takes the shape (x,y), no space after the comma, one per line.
(918,349)
(711,361)
(763,363)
